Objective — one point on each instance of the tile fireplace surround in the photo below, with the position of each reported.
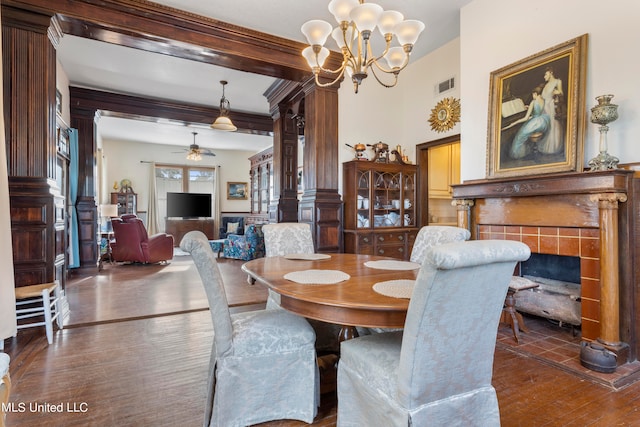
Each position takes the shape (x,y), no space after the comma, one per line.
(590,215)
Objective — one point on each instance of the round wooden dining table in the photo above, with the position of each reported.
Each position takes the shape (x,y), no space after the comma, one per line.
(349,303)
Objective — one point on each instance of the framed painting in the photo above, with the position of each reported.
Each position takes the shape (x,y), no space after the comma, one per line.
(237,191)
(537,113)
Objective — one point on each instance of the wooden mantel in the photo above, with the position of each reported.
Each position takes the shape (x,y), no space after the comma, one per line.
(604,204)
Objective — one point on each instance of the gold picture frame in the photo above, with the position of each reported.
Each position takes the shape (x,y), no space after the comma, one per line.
(237,191)
(537,113)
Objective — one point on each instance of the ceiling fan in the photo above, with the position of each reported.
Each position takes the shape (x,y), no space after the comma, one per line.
(194,152)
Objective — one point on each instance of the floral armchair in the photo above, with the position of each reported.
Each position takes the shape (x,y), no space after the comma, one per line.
(246,247)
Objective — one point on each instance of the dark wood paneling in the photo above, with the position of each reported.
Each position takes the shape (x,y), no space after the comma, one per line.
(151,109)
(150,26)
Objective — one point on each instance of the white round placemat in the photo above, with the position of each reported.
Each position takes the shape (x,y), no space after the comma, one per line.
(392,265)
(317,277)
(401,288)
(307,257)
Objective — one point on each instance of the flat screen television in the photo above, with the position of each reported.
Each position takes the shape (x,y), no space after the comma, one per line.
(188,205)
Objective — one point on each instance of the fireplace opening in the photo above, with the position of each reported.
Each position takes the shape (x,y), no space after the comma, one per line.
(558,267)
(557,296)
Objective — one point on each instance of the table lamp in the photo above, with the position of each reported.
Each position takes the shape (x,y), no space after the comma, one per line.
(106,213)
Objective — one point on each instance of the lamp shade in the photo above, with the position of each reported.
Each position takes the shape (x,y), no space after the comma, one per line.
(109,211)
(408,31)
(366,16)
(224,123)
(342,8)
(395,57)
(340,37)
(310,56)
(316,31)
(388,20)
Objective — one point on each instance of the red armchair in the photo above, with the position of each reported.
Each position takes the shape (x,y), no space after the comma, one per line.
(132,244)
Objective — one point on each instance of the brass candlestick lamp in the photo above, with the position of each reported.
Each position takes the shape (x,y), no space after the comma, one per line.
(603,114)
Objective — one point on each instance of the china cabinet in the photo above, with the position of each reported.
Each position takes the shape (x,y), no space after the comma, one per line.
(261,186)
(379,208)
(126,200)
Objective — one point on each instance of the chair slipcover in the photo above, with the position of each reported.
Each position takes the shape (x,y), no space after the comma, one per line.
(287,238)
(432,235)
(263,363)
(438,372)
(295,238)
(246,247)
(428,237)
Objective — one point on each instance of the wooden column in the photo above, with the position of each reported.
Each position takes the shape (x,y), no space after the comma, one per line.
(321,205)
(37,205)
(609,268)
(284,206)
(463,211)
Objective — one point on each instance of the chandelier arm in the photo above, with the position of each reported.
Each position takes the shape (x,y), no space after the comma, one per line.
(375,60)
(331,83)
(389,70)
(395,81)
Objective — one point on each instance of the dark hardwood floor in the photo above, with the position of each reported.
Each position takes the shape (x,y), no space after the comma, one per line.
(135,352)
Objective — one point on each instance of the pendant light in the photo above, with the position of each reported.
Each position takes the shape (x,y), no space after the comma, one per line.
(223,122)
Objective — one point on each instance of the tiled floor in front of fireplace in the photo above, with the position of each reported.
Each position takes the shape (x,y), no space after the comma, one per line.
(560,346)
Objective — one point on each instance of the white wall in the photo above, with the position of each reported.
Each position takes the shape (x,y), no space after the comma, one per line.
(496,33)
(398,115)
(123,160)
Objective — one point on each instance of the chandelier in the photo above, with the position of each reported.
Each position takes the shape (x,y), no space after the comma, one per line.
(223,122)
(357,20)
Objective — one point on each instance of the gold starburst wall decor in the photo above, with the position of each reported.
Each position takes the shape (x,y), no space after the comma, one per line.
(445,114)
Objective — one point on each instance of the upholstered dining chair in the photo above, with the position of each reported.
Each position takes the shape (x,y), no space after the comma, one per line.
(432,235)
(438,371)
(286,238)
(263,363)
(5,386)
(295,238)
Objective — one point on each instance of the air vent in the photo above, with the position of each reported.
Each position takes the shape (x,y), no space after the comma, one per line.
(445,86)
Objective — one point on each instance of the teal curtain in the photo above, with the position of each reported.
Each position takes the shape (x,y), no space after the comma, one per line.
(74,244)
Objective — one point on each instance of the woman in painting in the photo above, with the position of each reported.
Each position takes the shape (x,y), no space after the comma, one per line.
(553,141)
(536,123)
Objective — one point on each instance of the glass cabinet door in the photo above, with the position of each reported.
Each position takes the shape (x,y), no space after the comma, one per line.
(363,203)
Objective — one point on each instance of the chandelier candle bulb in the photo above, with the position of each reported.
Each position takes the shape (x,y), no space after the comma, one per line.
(357,20)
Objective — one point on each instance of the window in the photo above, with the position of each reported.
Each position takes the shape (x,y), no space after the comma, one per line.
(187,179)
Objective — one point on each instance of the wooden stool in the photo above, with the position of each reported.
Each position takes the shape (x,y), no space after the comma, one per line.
(27,298)
(510,314)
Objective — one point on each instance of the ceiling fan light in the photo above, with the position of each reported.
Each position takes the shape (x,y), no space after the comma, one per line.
(194,155)
(224,123)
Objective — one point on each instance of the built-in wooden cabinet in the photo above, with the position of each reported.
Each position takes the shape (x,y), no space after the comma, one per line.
(127,202)
(178,227)
(261,186)
(444,169)
(379,208)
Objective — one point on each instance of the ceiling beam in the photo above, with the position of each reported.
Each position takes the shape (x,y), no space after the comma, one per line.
(141,24)
(151,109)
